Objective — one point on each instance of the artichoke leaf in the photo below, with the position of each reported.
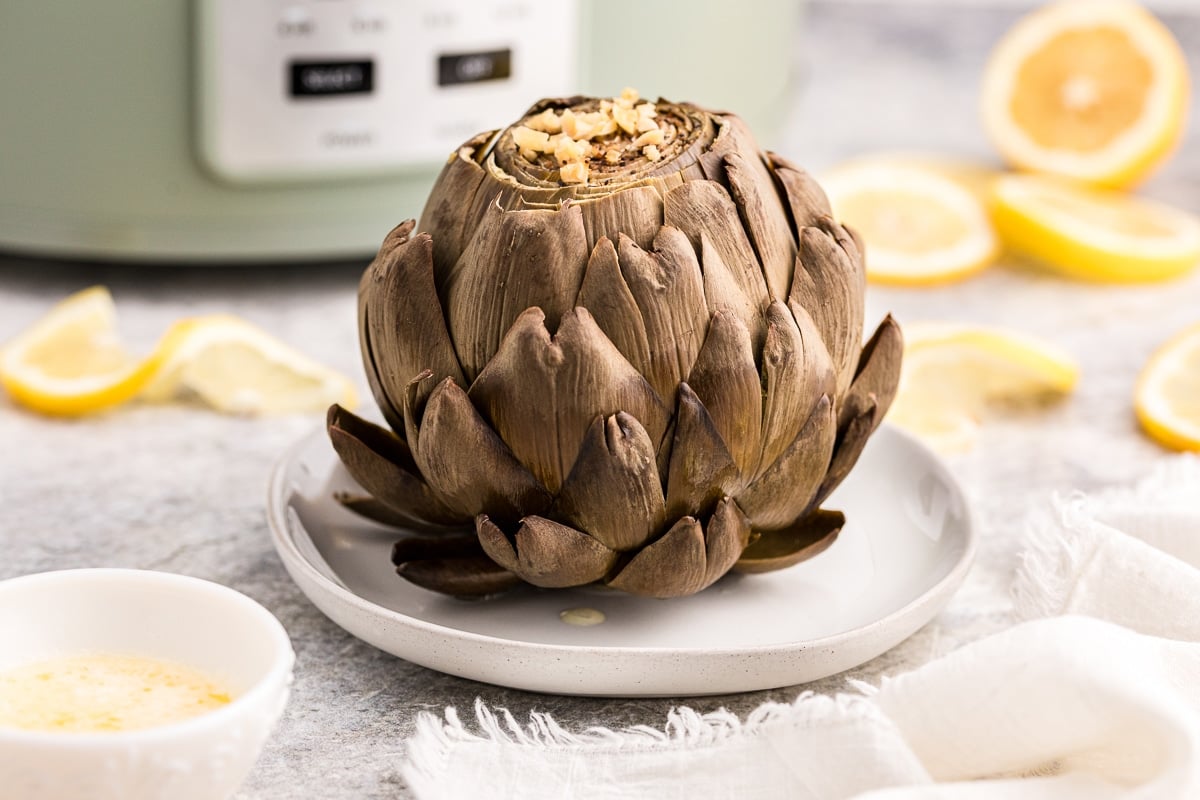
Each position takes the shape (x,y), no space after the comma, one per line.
(672,566)
(701,469)
(515,260)
(546,553)
(613,491)
(796,372)
(862,417)
(667,286)
(373,509)
(606,295)
(454,565)
(453,192)
(401,325)
(465,462)
(764,217)
(806,199)
(786,489)
(704,207)
(829,284)
(723,293)
(789,546)
(878,371)
(688,557)
(726,380)
(542,393)
(381,462)
(636,212)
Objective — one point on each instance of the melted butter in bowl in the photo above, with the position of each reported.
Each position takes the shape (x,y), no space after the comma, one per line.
(91,693)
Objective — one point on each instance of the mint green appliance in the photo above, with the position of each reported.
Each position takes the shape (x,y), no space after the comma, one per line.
(165,131)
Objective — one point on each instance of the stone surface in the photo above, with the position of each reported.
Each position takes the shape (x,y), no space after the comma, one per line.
(182,489)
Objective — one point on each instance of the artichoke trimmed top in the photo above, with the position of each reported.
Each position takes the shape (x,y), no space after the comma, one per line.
(625,346)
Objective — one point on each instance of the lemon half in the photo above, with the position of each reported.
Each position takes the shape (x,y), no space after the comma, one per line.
(1093,90)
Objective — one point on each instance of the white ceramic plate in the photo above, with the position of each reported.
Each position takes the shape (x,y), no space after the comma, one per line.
(907,545)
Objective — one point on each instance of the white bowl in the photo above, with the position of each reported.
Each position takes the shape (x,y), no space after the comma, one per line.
(209,627)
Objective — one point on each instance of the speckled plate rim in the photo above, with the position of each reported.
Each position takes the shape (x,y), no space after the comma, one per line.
(616,671)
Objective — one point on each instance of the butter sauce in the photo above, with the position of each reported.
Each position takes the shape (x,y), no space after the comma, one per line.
(91,693)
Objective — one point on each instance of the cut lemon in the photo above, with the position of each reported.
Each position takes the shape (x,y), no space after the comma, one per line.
(238,368)
(71,361)
(920,226)
(952,373)
(1094,234)
(1095,91)
(1167,397)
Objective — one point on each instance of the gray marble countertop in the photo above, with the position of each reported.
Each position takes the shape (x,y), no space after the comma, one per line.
(181,489)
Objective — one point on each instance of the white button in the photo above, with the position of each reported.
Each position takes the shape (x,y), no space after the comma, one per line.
(368,19)
(295,21)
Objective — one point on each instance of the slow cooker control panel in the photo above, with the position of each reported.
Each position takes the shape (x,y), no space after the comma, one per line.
(313,89)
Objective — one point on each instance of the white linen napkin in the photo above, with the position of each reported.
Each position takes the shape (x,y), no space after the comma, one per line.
(1100,702)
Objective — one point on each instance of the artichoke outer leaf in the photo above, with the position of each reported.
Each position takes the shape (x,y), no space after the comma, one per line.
(764,217)
(878,371)
(381,462)
(377,511)
(726,537)
(454,565)
(536,256)
(455,190)
(701,469)
(542,393)
(805,197)
(671,566)
(402,331)
(796,372)
(667,285)
(786,489)
(862,418)
(689,557)
(726,380)
(470,578)
(613,490)
(774,550)
(464,460)
(635,212)
(830,284)
(705,208)
(546,553)
(606,295)
(722,292)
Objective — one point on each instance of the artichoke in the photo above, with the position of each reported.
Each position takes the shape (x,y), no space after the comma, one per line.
(622,344)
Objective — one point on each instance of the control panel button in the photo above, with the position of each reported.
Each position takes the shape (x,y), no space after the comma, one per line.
(489,65)
(296,21)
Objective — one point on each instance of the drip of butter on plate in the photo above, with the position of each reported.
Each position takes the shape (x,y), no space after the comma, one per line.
(91,693)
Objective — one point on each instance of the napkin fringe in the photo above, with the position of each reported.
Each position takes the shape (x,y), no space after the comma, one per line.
(436,737)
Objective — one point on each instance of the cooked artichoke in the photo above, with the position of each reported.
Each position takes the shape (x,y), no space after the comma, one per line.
(626,357)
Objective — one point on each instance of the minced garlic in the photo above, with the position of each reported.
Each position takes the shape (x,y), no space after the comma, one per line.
(569,135)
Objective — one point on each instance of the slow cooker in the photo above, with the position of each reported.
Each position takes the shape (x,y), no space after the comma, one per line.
(167,131)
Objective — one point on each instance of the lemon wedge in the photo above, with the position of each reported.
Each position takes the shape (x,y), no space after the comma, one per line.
(1167,397)
(72,362)
(920,226)
(1094,91)
(951,373)
(236,367)
(1094,234)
